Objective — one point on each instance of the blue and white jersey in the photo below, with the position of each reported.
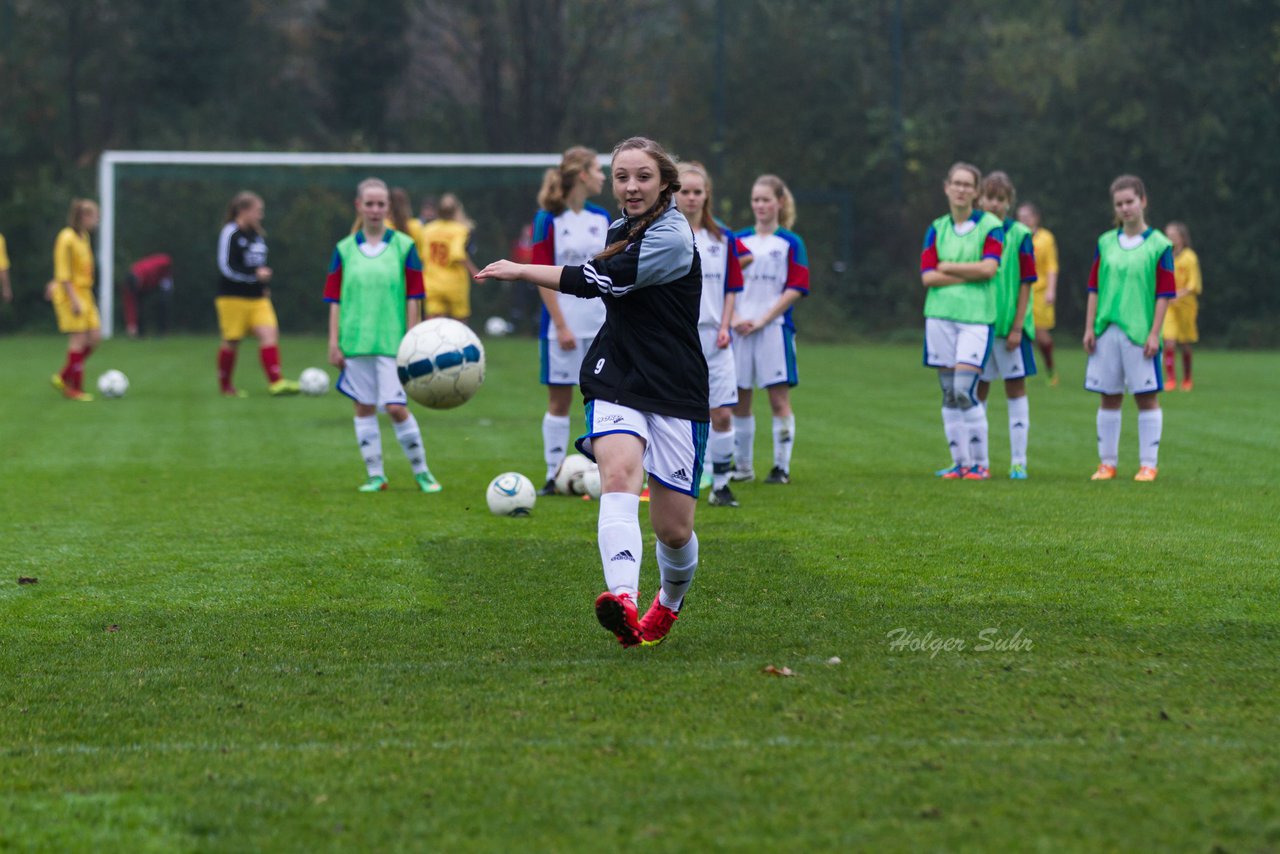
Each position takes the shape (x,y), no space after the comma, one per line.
(571,239)
(780,261)
(721,273)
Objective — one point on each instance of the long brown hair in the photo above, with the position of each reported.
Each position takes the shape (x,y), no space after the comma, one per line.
(708,221)
(667,174)
(399,208)
(450,208)
(76,212)
(787,211)
(557,183)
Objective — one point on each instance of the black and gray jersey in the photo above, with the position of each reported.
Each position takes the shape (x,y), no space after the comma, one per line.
(647,354)
(240,254)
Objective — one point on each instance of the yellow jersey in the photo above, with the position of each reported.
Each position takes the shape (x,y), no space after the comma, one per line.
(73,259)
(4,255)
(445,255)
(1186,276)
(1045,247)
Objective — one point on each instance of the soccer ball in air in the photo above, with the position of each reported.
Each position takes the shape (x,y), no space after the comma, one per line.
(510,494)
(113,383)
(440,363)
(314,382)
(569,475)
(496,327)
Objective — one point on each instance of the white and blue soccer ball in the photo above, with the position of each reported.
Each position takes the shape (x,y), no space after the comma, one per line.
(314,382)
(440,363)
(113,383)
(510,494)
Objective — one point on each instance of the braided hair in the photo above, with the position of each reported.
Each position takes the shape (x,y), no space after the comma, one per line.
(667,174)
(557,183)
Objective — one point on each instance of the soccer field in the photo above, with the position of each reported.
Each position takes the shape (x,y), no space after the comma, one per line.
(228,648)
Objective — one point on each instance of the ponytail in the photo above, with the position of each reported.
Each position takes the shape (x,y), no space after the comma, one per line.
(557,183)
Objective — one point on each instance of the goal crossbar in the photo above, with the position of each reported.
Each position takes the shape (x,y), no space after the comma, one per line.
(109,160)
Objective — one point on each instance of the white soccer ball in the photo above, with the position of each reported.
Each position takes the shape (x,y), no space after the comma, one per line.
(510,494)
(440,363)
(314,381)
(113,383)
(569,475)
(496,327)
(591,482)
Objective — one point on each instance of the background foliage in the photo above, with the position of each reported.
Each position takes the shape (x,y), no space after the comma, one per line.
(1063,95)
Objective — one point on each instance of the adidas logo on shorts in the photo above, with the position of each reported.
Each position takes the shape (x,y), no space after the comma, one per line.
(680,474)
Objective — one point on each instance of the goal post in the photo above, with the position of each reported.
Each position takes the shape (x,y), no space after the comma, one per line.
(110,161)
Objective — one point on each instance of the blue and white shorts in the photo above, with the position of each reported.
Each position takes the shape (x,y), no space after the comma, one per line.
(766,357)
(372,381)
(561,367)
(722,370)
(1117,365)
(1006,364)
(948,343)
(674,448)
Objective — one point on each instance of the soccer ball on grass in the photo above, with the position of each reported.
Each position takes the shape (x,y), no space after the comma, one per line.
(510,494)
(113,383)
(440,363)
(314,382)
(569,475)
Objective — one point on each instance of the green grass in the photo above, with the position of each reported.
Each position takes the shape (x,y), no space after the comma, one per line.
(299,667)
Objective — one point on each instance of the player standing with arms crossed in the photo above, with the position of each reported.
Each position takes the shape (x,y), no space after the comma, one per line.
(645,382)
(764,346)
(72,294)
(1180,329)
(1012,358)
(374,290)
(1044,293)
(244,297)
(961,256)
(718,251)
(1130,286)
(567,231)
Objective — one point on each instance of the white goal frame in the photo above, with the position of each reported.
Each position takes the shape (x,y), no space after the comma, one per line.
(109,160)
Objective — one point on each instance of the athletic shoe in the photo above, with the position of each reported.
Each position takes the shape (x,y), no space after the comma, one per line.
(742,475)
(1145,474)
(377,483)
(283,387)
(1186,385)
(58,382)
(954,473)
(777,475)
(617,613)
(1053,379)
(1104,472)
(978,473)
(942,472)
(722,497)
(1018,472)
(656,622)
(427,483)
(76,394)
(234,392)
(548,488)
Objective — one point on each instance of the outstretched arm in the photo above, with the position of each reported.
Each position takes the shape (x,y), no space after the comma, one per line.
(543,275)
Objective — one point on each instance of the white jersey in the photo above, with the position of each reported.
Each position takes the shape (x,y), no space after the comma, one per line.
(779,261)
(571,239)
(721,274)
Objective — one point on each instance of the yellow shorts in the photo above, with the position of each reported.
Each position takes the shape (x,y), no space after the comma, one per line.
(1041,312)
(449,300)
(1180,324)
(68,321)
(238,316)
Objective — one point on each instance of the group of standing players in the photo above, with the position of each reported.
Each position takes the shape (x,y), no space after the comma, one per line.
(979,266)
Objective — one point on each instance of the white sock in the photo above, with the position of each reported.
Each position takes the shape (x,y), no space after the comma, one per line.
(410,437)
(957,441)
(744,439)
(975,425)
(555,441)
(1150,426)
(620,542)
(784,439)
(369,438)
(677,567)
(1019,426)
(720,449)
(1109,436)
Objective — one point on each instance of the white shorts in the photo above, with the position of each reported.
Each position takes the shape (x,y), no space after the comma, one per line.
(674,448)
(561,367)
(1009,365)
(722,370)
(1117,365)
(766,357)
(948,343)
(372,380)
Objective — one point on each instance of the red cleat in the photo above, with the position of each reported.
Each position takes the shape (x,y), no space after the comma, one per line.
(656,622)
(617,613)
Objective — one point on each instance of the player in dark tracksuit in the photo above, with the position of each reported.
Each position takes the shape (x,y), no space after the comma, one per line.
(644,379)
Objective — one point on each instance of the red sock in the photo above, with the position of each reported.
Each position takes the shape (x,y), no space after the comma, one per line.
(271,362)
(67,368)
(1168,364)
(73,375)
(1047,350)
(226,366)
(1186,366)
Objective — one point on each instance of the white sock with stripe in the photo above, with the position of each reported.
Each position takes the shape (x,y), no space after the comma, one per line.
(720,450)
